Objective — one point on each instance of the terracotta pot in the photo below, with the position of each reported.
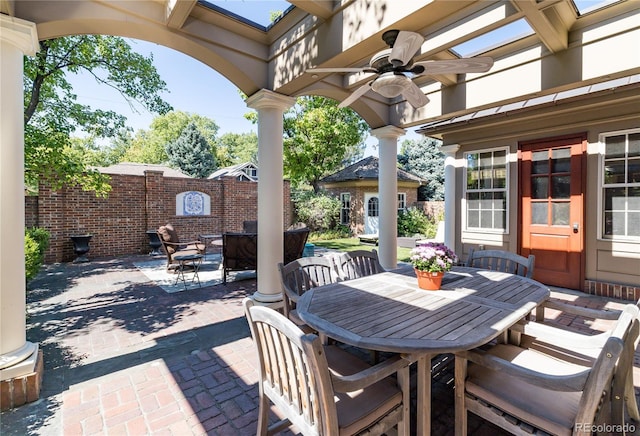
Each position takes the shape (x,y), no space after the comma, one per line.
(430,281)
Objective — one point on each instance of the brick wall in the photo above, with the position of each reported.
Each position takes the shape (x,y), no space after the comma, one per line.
(137,204)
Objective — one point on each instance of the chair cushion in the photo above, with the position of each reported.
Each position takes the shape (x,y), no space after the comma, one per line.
(168,233)
(359,410)
(552,411)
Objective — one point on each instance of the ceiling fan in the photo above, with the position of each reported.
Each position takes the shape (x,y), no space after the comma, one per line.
(395,69)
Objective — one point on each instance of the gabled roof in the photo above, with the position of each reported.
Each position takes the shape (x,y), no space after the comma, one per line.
(366,169)
(238,171)
(138,169)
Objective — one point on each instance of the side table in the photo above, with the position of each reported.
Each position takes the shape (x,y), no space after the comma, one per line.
(216,240)
(188,263)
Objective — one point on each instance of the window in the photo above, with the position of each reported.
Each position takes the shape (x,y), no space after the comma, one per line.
(345,209)
(486,190)
(402,202)
(621,186)
(251,172)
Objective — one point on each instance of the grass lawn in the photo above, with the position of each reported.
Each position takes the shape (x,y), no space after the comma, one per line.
(350,244)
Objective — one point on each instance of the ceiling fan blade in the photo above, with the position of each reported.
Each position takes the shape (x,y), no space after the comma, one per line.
(337,70)
(356,95)
(405,47)
(453,66)
(415,96)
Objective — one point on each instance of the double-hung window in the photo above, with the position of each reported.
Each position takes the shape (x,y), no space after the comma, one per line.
(486,190)
(402,202)
(621,186)
(345,208)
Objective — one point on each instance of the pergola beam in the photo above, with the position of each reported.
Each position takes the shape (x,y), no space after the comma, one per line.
(320,8)
(178,11)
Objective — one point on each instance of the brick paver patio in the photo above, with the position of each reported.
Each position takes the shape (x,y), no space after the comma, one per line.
(123,357)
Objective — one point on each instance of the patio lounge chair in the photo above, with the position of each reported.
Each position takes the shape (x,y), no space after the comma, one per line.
(324,390)
(550,382)
(172,245)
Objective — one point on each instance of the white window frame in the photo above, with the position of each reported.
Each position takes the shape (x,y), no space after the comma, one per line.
(465,191)
(602,185)
(402,201)
(343,195)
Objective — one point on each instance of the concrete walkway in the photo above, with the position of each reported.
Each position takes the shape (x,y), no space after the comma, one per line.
(123,357)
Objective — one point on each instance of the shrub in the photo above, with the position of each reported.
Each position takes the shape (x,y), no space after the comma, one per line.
(413,221)
(319,211)
(36,242)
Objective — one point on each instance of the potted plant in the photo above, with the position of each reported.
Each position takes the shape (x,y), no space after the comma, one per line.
(430,261)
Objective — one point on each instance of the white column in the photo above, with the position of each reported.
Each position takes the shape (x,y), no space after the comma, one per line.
(450,194)
(388,194)
(271,107)
(17,356)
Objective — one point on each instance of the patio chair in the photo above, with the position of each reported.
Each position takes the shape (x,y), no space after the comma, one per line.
(550,382)
(300,275)
(500,260)
(172,245)
(323,390)
(625,383)
(358,263)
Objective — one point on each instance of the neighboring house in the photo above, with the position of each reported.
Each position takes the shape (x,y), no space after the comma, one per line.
(557,177)
(357,188)
(247,172)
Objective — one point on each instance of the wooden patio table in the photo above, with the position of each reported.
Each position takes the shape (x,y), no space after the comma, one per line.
(388,312)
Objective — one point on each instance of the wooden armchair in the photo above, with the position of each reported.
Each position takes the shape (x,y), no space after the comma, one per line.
(500,260)
(172,245)
(551,382)
(300,275)
(324,390)
(358,263)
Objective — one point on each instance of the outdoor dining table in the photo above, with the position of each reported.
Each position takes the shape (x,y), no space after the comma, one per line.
(389,312)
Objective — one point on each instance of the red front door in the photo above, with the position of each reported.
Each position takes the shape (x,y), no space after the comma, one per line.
(552,208)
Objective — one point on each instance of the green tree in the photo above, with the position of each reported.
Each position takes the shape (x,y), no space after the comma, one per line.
(191,153)
(52,113)
(236,148)
(424,158)
(320,138)
(149,146)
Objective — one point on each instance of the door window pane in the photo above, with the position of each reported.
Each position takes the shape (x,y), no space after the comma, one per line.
(561,160)
(539,213)
(560,186)
(540,187)
(560,214)
(540,162)
(372,207)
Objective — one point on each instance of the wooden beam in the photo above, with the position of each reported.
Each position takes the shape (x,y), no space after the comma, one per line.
(319,8)
(178,11)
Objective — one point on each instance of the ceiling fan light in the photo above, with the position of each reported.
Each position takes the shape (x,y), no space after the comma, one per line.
(390,85)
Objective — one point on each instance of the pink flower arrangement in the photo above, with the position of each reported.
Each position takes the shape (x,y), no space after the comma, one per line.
(433,257)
